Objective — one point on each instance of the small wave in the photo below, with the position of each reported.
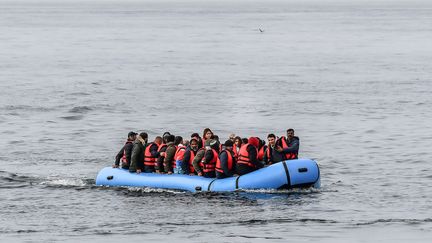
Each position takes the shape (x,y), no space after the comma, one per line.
(406,221)
(67,182)
(73,118)
(80,109)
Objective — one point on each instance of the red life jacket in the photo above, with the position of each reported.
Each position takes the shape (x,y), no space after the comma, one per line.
(284,146)
(269,158)
(211,166)
(190,162)
(179,155)
(161,146)
(230,161)
(123,158)
(243,157)
(149,160)
(261,153)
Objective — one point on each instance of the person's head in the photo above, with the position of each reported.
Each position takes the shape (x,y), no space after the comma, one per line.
(165,136)
(254,141)
(238,141)
(207,133)
(290,133)
(216,137)
(245,140)
(193,144)
(261,142)
(132,135)
(232,137)
(178,140)
(271,138)
(143,137)
(229,144)
(170,138)
(195,135)
(185,142)
(158,140)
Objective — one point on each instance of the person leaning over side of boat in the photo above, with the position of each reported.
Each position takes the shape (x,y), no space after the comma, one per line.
(137,158)
(226,163)
(169,161)
(289,146)
(248,157)
(208,163)
(271,155)
(189,155)
(151,154)
(125,153)
(159,167)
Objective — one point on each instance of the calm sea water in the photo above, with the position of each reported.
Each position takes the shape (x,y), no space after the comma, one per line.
(353,78)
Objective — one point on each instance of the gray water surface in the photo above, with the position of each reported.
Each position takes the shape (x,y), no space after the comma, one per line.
(352,78)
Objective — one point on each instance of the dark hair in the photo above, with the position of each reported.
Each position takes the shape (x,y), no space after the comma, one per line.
(158,137)
(290,130)
(207,130)
(170,138)
(144,135)
(238,138)
(193,140)
(195,134)
(215,137)
(271,135)
(178,140)
(245,140)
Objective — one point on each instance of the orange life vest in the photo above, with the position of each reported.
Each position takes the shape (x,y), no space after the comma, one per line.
(211,166)
(179,155)
(190,162)
(243,157)
(230,161)
(173,161)
(284,146)
(149,160)
(261,152)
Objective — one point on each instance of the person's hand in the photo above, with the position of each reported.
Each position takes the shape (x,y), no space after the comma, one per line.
(162,154)
(191,174)
(200,174)
(115,166)
(235,175)
(169,173)
(138,171)
(157,172)
(279,148)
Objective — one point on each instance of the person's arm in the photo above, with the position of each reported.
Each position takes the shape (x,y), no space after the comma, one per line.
(185,164)
(208,156)
(135,157)
(119,156)
(293,148)
(128,152)
(197,160)
(265,158)
(154,150)
(160,159)
(253,157)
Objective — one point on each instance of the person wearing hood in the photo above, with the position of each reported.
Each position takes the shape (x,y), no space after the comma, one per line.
(125,153)
(289,146)
(248,157)
(137,158)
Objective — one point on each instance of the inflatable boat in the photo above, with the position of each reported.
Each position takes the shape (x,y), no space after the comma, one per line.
(300,173)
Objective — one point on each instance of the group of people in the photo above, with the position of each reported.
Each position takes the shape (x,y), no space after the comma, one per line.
(204,156)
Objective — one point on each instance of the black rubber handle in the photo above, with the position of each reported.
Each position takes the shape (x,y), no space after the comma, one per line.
(302,170)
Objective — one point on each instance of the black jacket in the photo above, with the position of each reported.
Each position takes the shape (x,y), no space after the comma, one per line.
(293,145)
(127,148)
(275,156)
(223,157)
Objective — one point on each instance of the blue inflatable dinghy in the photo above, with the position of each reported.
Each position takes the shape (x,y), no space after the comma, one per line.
(301,173)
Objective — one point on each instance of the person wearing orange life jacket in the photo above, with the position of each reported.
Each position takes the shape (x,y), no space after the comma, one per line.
(124,155)
(289,146)
(169,161)
(248,157)
(189,155)
(271,155)
(261,149)
(198,138)
(208,162)
(179,154)
(226,162)
(150,155)
(237,145)
(159,166)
